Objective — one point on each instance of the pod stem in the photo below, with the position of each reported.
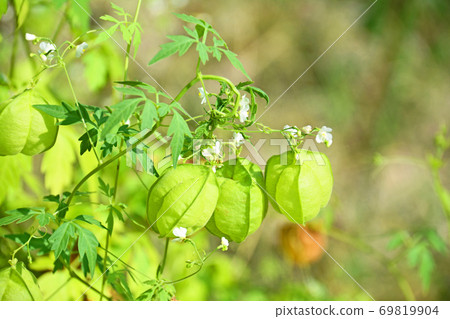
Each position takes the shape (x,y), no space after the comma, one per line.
(161,267)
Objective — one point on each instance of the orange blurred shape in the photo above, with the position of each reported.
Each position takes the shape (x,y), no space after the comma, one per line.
(302,245)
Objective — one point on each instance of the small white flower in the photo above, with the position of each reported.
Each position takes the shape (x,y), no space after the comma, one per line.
(46,47)
(46,50)
(214,168)
(238,139)
(245,107)
(224,242)
(81,49)
(180,232)
(307,129)
(324,136)
(202,94)
(213,152)
(30,37)
(293,130)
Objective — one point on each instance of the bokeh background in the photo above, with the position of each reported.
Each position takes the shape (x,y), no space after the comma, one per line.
(384,88)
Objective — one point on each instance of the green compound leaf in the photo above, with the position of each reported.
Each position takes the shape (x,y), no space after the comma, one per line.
(90,220)
(22,215)
(202,52)
(180,43)
(258,91)
(190,19)
(149,115)
(130,91)
(191,32)
(121,112)
(57,111)
(235,62)
(426,268)
(87,246)
(61,237)
(178,128)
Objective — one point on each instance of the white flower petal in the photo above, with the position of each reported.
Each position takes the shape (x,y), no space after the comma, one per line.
(224,242)
(202,94)
(307,129)
(30,37)
(238,139)
(324,136)
(81,49)
(180,232)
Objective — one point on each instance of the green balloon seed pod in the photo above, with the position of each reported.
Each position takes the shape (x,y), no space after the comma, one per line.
(24,129)
(242,204)
(182,197)
(18,284)
(299,188)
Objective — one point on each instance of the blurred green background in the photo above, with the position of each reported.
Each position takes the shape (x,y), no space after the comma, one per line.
(384,88)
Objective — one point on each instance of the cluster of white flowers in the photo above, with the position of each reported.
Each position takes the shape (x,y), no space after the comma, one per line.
(323,135)
(292,130)
(238,139)
(46,49)
(213,152)
(245,107)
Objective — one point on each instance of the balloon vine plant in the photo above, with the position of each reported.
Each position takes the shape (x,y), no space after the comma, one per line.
(227,197)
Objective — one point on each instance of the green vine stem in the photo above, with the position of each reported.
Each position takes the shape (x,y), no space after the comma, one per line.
(161,267)
(12,60)
(127,56)
(80,113)
(108,162)
(202,263)
(200,77)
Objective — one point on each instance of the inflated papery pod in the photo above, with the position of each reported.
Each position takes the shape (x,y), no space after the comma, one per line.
(242,204)
(299,184)
(24,129)
(182,197)
(18,284)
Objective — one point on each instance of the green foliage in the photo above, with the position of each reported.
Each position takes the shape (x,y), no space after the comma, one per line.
(131,30)
(121,112)
(180,44)
(3,8)
(180,202)
(178,128)
(22,215)
(418,249)
(87,246)
(158,291)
